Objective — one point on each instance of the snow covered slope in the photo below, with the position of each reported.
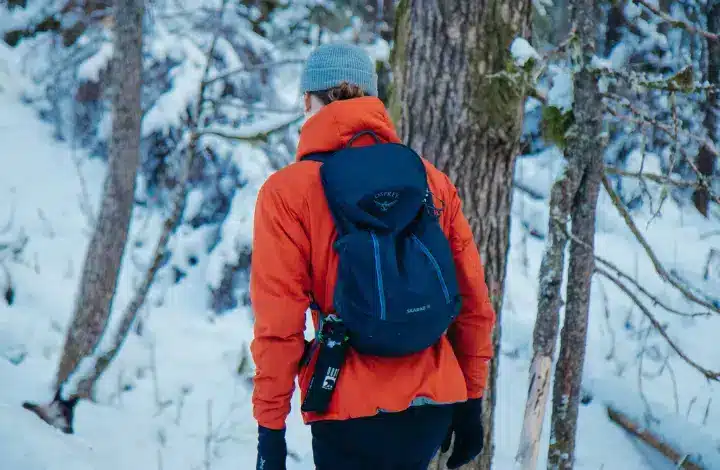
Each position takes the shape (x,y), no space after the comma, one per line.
(176,399)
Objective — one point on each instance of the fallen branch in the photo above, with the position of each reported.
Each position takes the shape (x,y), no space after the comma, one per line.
(677,23)
(707,373)
(659,268)
(656,442)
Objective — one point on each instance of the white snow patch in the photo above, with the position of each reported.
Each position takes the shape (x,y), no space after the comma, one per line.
(522,51)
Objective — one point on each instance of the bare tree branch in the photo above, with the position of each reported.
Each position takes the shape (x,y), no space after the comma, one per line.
(659,268)
(709,374)
(677,23)
(709,234)
(703,181)
(681,82)
(644,119)
(261,136)
(652,297)
(660,179)
(10,221)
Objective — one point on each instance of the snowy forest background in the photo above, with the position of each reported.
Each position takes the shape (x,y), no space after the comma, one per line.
(221,111)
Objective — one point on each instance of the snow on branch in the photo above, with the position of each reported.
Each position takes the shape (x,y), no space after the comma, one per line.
(659,268)
(643,118)
(680,82)
(639,117)
(709,374)
(261,136)
(678,23)
(252,68)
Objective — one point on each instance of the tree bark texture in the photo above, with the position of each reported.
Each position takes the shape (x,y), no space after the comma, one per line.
(449,108)
(584,144)
(550,301)
(104,256)
(568,371)
(706,159)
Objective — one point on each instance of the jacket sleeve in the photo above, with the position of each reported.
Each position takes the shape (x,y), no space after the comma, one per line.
(279,283)
(471,333)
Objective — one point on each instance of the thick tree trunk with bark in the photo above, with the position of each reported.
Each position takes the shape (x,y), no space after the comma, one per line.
(449,108)
(584,144)
(104,256)
(706,158)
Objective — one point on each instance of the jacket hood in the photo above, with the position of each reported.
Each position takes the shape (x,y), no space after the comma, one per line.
(334,125)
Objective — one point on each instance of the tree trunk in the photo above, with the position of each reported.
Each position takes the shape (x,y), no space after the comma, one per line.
(550,301)
(449,109)
(104,256)
(568,371)
(584,144)
(706,159)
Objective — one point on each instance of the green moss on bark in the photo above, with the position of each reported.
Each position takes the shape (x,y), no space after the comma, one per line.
(498,83)
(555,125)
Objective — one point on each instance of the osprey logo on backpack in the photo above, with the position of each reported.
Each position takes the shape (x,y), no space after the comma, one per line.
(386,199)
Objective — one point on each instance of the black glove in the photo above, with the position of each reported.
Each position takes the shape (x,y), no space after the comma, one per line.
(467,427)
(272,449)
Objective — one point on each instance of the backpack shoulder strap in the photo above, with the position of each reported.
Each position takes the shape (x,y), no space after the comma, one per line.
(317,157)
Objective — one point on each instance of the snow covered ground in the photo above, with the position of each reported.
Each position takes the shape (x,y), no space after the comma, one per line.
(176,399)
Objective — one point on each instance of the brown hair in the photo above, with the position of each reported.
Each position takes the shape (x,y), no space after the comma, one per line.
(344,91)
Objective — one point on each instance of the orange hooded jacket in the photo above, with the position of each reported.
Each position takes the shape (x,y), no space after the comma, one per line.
(293,258)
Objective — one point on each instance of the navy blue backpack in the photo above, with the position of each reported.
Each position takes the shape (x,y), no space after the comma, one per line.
(396,290)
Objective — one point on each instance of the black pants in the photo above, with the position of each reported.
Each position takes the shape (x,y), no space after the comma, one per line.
(388,441)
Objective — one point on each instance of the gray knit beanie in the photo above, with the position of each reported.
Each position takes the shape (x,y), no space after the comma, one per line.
(331,64)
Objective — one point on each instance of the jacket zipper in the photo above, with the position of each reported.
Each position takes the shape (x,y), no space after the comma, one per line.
(436,265)
(378,274)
